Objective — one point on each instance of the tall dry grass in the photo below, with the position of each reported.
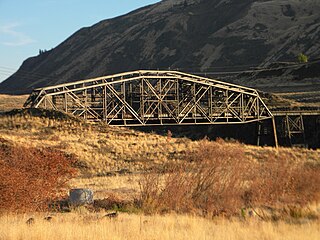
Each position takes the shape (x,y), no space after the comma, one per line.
(201,177)
(93,226)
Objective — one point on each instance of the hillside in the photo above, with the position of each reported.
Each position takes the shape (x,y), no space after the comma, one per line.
(103,150)
(289,80)
(190,35)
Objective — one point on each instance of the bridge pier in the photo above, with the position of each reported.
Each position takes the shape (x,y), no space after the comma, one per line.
(267,133)
(294,127)
(298,128)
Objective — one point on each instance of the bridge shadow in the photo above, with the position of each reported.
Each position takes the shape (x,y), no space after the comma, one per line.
(244,133)
(252,133)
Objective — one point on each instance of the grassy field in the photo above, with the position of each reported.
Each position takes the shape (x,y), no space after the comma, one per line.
(112,161)
(95,226)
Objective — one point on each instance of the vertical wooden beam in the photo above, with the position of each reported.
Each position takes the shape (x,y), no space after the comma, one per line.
(227,105)
(303,131)
(210,104)
(275,132)
(178,99)
(194,112)
(257,107)
(66,102)
(242,107)
(86,104)
(160,108)
(124,99)
(142,99)
(104,104)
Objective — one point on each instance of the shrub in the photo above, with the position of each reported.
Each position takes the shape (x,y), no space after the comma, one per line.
(211,181)
(219,179)
(302,58)
(30,178)
(281,181)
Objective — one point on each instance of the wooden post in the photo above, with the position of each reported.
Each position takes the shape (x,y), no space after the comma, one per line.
(275,132)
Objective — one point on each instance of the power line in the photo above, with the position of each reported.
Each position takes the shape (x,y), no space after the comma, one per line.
(210,71)
(27,74)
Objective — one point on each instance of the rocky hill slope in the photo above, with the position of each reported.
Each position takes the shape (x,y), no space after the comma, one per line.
(189,35)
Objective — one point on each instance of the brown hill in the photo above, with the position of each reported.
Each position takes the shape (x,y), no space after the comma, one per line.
(191,35)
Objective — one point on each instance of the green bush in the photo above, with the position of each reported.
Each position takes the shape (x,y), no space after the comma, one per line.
(302,58)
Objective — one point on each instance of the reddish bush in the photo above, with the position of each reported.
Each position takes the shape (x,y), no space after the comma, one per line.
(30,178)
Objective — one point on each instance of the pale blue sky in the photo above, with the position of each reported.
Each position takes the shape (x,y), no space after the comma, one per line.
(29,25)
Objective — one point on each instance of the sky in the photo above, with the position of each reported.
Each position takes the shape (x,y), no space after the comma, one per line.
(26,26)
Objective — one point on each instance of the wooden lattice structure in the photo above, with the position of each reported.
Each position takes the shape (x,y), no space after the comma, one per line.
(146,98)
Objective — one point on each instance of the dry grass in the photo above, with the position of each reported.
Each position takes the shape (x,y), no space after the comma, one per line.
(122,186)
(9,102)
(100,148)
(103,150)
(93,226)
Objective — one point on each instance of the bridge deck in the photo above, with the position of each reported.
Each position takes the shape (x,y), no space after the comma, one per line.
(295,113)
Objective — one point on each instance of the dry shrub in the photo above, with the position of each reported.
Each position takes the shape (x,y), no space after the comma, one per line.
(219,179)
(211,181)
(279,180)
(31,178)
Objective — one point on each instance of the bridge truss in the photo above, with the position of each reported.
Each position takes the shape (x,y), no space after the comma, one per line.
(147,98)
(153,98)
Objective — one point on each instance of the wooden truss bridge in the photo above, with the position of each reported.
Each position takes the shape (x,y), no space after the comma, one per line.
(148,98)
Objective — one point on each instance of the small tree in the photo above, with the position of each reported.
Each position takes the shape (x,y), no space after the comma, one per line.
(302,58)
